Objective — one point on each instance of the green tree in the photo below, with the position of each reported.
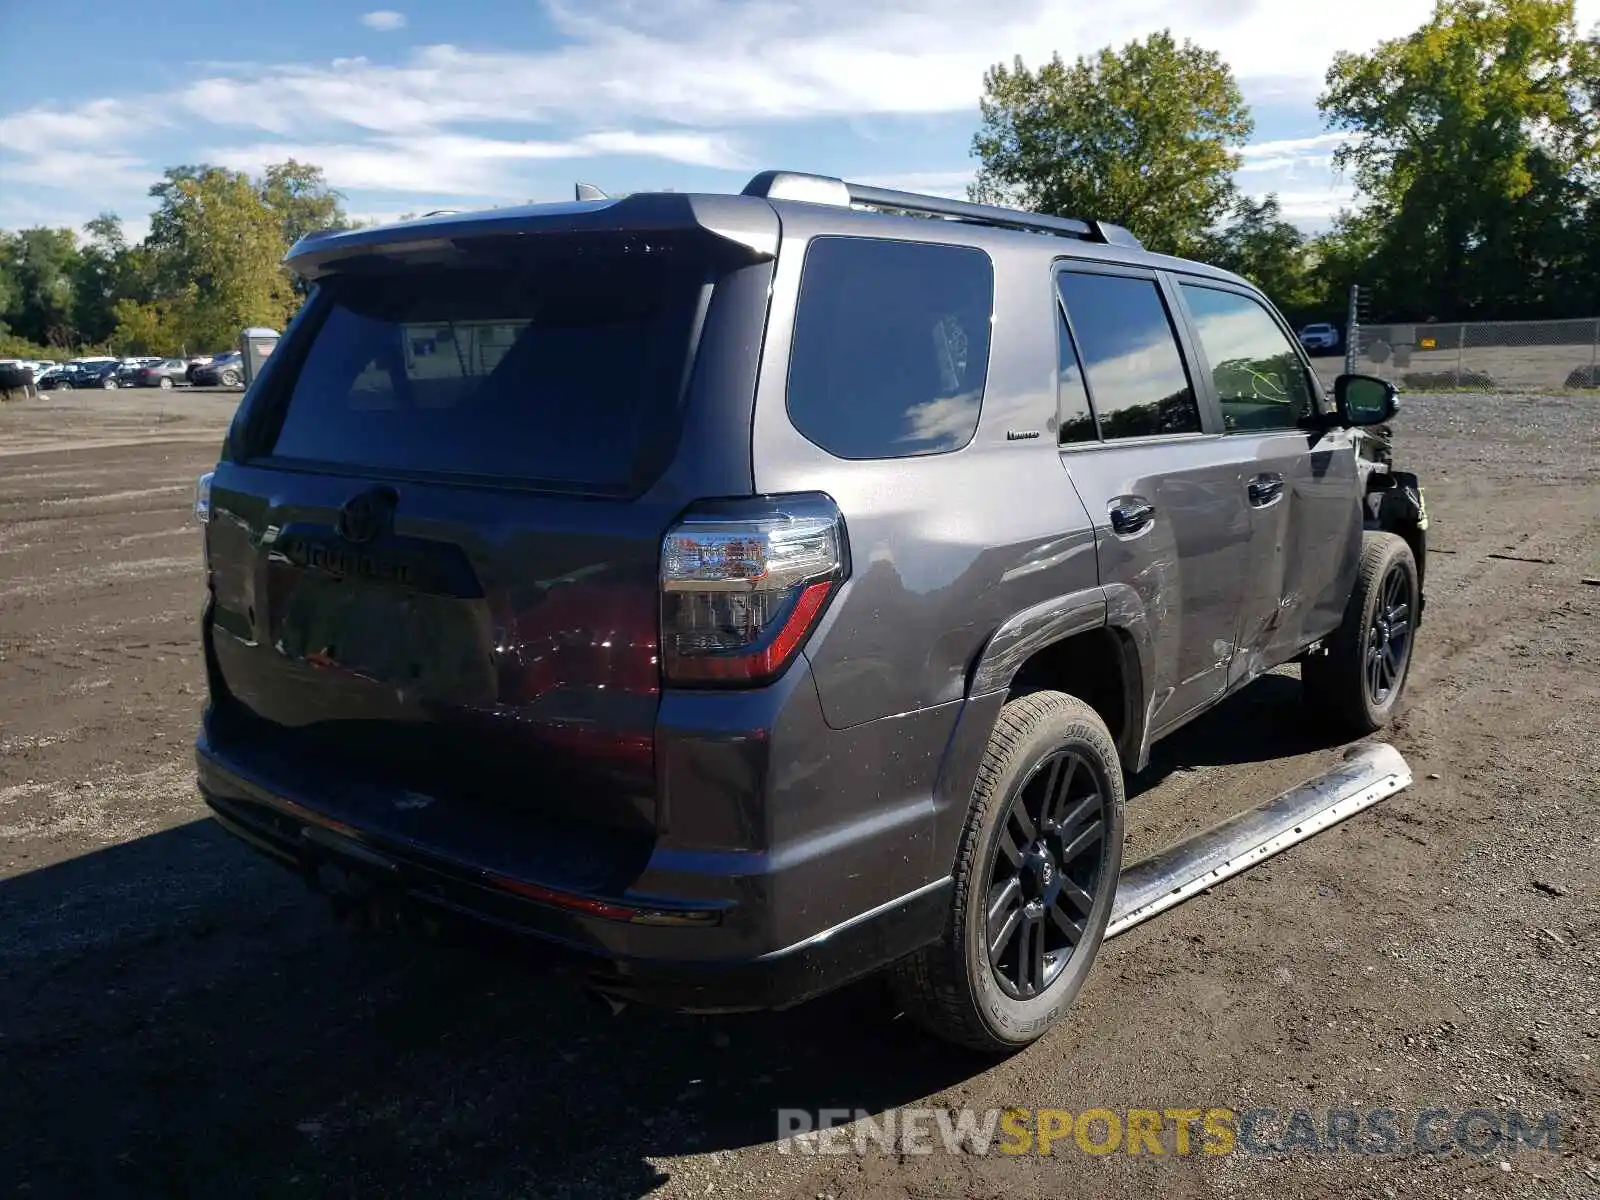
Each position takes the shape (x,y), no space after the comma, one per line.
(1144,136)
(103,274)
(1268,251)
(299,193)
(10,284)
(156,327)
(218,254)
(38,267)
(1475,147)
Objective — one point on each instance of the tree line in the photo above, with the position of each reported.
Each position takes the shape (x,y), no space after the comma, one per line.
(1473,144)
(211,265)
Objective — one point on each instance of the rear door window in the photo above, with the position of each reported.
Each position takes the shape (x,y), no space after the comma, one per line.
(566,376)
(1260,380)
(891,346)
(1137,381)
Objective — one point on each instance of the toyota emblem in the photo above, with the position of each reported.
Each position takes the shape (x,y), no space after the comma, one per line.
(363,516)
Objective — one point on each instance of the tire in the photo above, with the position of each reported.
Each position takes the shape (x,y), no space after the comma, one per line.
(1357,681)
(166,383)
(230,379)
(954,988)
(109,384)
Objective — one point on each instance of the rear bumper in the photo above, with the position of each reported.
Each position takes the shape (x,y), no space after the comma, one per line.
(682,950)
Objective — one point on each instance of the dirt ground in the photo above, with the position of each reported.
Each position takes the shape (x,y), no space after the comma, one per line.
(179,1018)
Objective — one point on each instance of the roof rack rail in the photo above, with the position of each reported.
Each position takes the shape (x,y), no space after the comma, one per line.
(824,189)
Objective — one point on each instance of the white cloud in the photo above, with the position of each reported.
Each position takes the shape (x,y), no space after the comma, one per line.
(97,123)
(384,20)
(71,168)
(692,149)
(1312,208)
(1292,147)
(671,78)
(713,63)
(456,164)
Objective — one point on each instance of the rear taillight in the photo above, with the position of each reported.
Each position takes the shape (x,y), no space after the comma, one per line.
(743,583)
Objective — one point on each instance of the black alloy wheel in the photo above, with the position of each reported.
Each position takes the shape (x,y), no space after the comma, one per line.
(1389,636)
(1045,873)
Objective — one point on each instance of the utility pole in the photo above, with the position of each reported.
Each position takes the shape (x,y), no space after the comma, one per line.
(1352,330)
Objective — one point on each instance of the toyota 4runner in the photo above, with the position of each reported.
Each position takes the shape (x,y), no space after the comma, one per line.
(746,594)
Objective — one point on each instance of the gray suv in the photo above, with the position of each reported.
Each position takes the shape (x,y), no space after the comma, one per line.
(746,594)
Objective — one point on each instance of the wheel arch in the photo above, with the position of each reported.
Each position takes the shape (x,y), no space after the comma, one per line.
(1395,505)
(1093,644)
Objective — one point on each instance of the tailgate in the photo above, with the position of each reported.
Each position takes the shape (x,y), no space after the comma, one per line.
(434,541)
(478,645)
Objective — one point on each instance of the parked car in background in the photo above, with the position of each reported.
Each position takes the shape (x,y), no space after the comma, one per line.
(71,373)
(196,361)
(1320,336)
(128,372)
(100,374)
(34,367)
(225,370)
(159,372)
(16,378)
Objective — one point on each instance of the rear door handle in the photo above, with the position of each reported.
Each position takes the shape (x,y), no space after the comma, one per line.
(1131,515)
(1265,489)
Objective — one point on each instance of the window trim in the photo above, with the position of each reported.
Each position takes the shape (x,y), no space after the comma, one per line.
(1177,319)
(794,326)
(1319,400)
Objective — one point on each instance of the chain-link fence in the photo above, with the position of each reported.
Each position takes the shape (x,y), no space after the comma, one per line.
(1490,356)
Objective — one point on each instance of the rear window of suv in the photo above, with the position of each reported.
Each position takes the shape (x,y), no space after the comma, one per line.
(563,376)
(891,346)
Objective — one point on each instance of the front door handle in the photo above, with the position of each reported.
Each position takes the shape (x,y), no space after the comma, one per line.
(1131,515)
(1265,489)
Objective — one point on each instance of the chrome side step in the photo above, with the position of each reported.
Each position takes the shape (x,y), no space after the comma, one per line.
(1369,773)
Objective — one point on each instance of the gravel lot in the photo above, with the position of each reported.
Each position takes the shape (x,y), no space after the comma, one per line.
(178,1018)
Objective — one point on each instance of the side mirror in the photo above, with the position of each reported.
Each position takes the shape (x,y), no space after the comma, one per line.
(1365,400)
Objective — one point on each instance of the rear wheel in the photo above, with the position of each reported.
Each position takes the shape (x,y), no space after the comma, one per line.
(1035,878)
(109,384)
(230,379)
(165,384)
(1357,681)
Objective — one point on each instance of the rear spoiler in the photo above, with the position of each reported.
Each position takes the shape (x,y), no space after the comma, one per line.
(745,226)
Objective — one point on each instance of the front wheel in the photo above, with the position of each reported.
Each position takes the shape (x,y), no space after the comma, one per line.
(1358,678)
(1035,879)
(166,384)
(109,384)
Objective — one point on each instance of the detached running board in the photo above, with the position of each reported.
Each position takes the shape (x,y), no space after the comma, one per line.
(1369,773)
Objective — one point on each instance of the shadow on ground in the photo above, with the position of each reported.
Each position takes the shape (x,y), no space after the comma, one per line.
(1267,720)
(178,1018)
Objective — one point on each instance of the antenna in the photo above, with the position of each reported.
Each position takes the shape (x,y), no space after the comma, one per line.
(588,191)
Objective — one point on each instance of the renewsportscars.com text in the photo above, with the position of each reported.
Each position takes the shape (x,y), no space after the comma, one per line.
(1177,1131)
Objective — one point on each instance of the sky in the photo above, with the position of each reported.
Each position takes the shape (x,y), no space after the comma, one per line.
(483,102)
